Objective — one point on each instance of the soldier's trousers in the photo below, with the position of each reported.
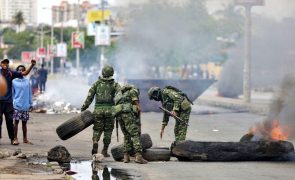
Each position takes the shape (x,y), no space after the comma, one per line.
(131,130)
(103,123)
(180,128)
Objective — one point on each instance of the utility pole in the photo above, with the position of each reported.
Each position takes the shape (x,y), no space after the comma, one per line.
(102,36)
(78,49)
(62,59)
(247,58)
(51,41)
(247,54)
(51,44)
(42,43)
(102,58)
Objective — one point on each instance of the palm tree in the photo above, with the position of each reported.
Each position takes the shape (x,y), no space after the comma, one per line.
(18,20)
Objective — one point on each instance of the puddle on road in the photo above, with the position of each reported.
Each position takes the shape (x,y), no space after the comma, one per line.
(97,171)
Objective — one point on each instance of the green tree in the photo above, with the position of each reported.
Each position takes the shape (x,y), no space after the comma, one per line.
(18,20)
(18,42)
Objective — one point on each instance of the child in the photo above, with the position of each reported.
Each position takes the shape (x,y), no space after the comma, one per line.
(22,103)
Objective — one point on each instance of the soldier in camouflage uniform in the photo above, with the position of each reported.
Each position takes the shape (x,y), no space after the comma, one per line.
(104,90)
(177,103)
(127,109)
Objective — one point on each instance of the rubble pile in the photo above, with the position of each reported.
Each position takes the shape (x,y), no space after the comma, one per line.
(45,104)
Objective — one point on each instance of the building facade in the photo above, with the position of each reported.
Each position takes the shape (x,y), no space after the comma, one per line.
(8,9)
(66,12)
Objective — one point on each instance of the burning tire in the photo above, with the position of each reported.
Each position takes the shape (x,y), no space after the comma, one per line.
(157,154)
(230,151)
(247,137)
(118,151)
(74,125)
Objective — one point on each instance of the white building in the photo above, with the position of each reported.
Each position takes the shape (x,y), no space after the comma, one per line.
(8,9)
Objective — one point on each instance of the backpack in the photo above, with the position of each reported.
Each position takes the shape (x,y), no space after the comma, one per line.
(105,91)
(179,92)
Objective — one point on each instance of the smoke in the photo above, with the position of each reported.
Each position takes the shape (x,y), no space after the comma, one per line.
(161,33)
(272,56)
(280,121)
(231,79)
(67,89)
(282,108)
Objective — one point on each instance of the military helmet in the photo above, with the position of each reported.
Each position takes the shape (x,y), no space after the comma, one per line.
(107,71)
(153,91)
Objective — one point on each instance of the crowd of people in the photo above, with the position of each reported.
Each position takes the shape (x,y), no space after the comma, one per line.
(16,102)
(38,80)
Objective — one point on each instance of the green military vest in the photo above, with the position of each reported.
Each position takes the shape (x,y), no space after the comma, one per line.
(105,92)
(169,103)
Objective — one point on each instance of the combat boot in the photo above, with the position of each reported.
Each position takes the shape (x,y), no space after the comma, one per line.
(104,151)
(126,158)
(139,159)
(94,148)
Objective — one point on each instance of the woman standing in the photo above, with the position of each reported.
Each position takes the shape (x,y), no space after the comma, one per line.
(22,103)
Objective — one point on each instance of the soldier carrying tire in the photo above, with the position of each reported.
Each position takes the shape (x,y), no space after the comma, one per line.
(104,90)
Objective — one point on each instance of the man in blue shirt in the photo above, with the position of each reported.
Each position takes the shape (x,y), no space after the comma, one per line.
(6,106)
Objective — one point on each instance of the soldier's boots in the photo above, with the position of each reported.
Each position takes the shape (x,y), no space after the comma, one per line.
(94,148)
(104,151)
(126,158)
(139,159)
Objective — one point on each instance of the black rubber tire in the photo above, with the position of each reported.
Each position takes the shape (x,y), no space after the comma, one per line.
(74,125)
(146,141)
(87,117)
(157,154)
(247,137)
(118,151)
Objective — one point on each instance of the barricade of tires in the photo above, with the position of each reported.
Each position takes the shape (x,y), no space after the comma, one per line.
(149,153)
(80,122)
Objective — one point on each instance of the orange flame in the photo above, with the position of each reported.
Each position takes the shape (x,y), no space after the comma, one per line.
(270,131)
(279,133)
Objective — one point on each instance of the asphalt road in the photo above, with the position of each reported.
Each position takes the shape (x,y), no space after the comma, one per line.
(222,125)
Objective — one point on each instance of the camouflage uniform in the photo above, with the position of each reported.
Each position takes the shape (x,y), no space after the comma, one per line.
(127,118)
(127,110)
(104,90)
(173,100)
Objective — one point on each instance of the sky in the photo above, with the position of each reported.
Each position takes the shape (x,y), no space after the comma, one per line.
(277,9)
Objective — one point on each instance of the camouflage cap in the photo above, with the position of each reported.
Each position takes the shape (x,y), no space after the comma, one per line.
(107,71)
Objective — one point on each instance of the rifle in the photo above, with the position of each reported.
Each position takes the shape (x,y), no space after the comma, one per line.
(117,131)
(175,117)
